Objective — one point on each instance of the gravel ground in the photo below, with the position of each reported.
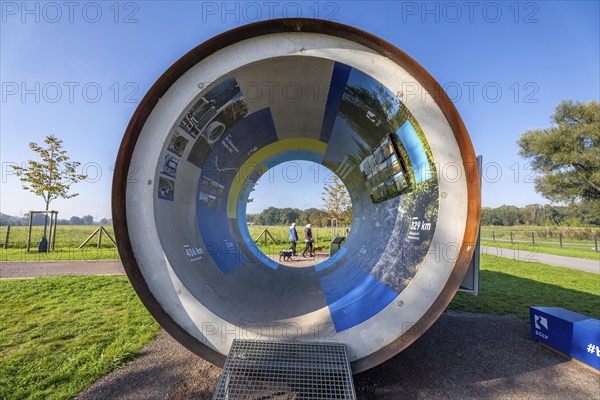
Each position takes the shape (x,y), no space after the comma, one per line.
(463,356)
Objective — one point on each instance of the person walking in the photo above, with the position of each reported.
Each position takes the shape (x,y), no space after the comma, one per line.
(308,239)
(293,236)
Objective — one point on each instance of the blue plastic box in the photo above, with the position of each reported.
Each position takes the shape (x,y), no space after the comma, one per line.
(568,332)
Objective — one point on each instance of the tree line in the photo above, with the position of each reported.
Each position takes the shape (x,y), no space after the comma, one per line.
(39,220)
(285,216)
(586,213)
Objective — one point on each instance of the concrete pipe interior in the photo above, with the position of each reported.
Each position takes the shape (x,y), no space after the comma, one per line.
(286,90)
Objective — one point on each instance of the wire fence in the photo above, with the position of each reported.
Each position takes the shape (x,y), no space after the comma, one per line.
(583,238)
(72,242)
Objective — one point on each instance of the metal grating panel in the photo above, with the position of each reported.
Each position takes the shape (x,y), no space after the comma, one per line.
(285,371)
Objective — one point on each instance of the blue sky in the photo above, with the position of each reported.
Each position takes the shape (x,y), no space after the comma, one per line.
(536,53)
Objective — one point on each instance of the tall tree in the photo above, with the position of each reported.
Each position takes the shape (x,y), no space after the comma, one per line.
(567,155)
(75,220)
(336,200)
(51,177)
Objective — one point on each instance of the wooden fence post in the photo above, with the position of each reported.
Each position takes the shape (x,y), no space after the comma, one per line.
(264,233)
(108,235)
(532,238)
(596,242)
(6,238)
(29,233)
(89,238)
(511,238)
(493,236)
(560,238)
(50,230)
(54,233)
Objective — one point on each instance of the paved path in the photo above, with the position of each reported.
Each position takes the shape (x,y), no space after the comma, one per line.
(301,262)
(463,356)
(581,264)
(14,270)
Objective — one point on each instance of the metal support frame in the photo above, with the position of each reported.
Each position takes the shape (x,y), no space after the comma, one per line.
(470,283)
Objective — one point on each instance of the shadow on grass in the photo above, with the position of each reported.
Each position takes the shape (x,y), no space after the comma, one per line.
(503,293)
(466,355)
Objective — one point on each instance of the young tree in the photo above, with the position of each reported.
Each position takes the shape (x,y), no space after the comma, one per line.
(336,200)
(52,176)
(567,155)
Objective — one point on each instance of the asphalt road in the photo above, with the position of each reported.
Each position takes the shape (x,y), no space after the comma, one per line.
(17,270)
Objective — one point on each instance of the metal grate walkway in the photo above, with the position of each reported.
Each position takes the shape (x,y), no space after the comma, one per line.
(285,371)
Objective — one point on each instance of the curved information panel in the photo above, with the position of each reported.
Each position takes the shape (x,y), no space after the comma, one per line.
(277,91)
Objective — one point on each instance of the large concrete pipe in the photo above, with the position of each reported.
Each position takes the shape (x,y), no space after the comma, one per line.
(296,89)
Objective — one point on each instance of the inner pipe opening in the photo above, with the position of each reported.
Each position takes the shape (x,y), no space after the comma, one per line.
(289,197)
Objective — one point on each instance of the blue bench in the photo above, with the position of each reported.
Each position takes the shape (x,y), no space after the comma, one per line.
(570,333)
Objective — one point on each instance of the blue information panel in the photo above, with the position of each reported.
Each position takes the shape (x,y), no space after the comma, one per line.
(568,332)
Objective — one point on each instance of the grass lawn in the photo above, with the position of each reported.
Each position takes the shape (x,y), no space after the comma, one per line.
(68,239)
(59,334)
(577,241)
(510,287)
(527,248)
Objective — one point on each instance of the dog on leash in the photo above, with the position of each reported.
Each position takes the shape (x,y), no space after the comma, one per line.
(286,254)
